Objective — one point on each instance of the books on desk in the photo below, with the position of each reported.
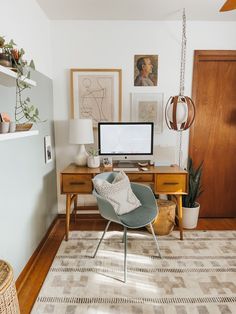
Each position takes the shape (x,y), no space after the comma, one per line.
(125,169)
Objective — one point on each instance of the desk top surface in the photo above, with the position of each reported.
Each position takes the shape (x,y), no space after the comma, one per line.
(74,169)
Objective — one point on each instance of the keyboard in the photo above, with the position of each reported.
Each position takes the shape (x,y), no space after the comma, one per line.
(126,169)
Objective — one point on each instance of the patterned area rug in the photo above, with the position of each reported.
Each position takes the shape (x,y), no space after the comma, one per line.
(196,275)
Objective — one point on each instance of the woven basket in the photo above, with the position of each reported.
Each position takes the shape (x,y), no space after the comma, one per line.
(164,223)
(23,127)
(8,295)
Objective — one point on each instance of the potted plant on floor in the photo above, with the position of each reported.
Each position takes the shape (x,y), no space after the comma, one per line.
(26,113)
(190,205)
(93,160)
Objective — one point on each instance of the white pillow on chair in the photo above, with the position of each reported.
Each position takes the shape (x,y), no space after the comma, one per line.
(118,193)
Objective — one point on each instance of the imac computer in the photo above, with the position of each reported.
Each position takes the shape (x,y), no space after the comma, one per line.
(126,141)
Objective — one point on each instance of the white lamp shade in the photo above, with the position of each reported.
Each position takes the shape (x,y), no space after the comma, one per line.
(81,131)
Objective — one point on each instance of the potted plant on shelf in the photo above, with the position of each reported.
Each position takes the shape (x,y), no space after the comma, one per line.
(5,58)
(93,160)
(190,205)
(26,113)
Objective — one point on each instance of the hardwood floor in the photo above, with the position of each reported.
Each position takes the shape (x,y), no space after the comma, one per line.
(29,290)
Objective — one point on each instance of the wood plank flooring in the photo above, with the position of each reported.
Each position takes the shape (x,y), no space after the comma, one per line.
(31,287)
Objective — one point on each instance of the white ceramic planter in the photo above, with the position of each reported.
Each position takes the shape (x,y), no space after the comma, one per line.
(190,217)
(93,161)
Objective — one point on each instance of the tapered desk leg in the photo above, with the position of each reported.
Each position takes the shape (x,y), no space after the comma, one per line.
(68,204)
(75,207)
(180,215)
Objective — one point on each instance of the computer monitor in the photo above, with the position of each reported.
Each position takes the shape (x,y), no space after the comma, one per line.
(125,139)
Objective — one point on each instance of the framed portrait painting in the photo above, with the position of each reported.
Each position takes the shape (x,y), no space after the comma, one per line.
(148,107)
(96,94)
(145,70)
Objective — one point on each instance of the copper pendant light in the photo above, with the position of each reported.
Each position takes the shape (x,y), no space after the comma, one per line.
(180,109)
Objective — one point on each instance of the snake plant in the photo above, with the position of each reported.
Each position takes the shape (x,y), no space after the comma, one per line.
(194,185)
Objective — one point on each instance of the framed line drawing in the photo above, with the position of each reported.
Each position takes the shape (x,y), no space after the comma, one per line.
(47,149)
(148,107)
(96,94)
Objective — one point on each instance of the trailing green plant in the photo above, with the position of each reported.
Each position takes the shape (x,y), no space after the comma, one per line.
(194,185)
(25,111)
(93,152)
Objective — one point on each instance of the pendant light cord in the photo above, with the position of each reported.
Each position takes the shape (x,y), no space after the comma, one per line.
(183,54)
(182,75)
(180,148)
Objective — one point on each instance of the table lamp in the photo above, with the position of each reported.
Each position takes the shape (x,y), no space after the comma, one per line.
(81,132)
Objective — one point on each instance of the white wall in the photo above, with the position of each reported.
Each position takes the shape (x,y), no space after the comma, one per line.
(113,44)
(25,22)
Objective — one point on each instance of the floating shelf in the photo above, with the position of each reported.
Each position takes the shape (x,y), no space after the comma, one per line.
(8,78)
(11,136)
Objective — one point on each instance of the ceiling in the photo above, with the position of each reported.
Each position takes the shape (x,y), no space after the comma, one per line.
(150,10)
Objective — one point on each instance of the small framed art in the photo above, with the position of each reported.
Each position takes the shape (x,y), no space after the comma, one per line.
(148,107)
(145,70)
(47,149)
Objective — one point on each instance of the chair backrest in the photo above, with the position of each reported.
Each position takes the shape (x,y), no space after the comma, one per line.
(105,208)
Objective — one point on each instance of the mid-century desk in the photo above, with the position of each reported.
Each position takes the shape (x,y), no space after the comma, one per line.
(164,180)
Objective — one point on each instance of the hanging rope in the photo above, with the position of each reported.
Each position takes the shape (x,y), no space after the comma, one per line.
(183,54)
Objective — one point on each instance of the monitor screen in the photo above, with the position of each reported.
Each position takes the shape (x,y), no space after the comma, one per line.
(125,138)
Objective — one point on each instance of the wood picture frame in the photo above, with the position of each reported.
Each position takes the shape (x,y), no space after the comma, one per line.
(96,94)
(148,107)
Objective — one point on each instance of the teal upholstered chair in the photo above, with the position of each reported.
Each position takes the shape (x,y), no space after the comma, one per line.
(137,218)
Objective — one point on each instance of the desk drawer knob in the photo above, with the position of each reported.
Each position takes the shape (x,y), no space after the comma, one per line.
(77,183)
(171,183)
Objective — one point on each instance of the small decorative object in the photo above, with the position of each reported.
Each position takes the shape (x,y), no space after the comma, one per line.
(4,127)
(145,70)
(148,107)
(12,127)
(81,132)
(25,111)
(180,109)
(96,94)
(190,205)
(107,162)
(93,160)
(47,149)
(4,122)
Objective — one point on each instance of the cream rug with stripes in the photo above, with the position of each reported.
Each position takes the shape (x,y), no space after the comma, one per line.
(197,275)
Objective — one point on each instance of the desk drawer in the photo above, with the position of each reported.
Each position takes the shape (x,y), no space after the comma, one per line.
(78,183)
(167,183)
(140,177)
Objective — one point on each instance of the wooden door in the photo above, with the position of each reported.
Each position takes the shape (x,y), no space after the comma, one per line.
(213,134)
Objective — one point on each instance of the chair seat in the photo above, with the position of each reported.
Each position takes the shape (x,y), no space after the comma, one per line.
(139,217)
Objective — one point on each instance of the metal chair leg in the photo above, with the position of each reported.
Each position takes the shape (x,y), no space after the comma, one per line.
(100,241)
(125,253)
(155,239)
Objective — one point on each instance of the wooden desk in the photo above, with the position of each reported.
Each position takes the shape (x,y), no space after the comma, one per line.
(164,180)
